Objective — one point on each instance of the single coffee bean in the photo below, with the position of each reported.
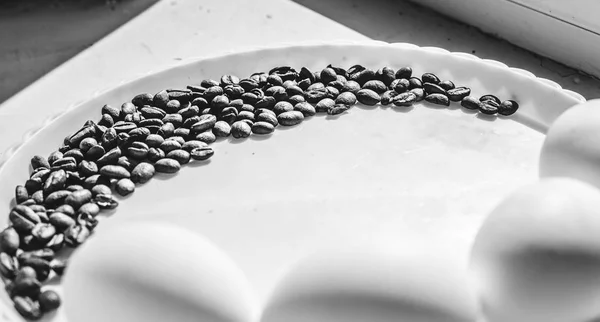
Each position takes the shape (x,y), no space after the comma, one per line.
(360,74)
(138,150)
(405,99)
(387,97)
(338,70)
(221,129)
(150,112)
(202,154)
(23,218)
(142,99)
(332,92)
(66,209)
(125,187)
(314,96)
(54,156)
(228,114)
(419,94)
(127,163)
(219,102)
(61,221)
(155,154)
(324,105)
(338,84)
(295,99)
(305,108)
(433,89)
(262,128)
(27,307)
(86,144)
(76,235)
(85,132)
(376,86)
(278,92)
(154,140)
(489,107)
(56,243)
(114,171)
(90,209)
(346,98)
(142,173)
(26,272)
(368,97)
(305,73)
(430,78)
(167,165)
(56,181)
(290,118)
(386,75)
(247,107)
(58,266)
(447,85)
(95,153)
(316,86)
(106,120)
(508,107)
(166,130)
(98,189)
(49,301)
(404,72)
(105,201)
(43,232)
(170,145)
(338,108)
(439,99)
(121,127)
(234,91)
(351,86)
(139,134)
(282,107)
(206,122)
(265,102)
(328,75)
(150,123)
(111,110)
(239,130)
(285,72)
(21,194)
(41,174)
(414,82)
(110,157)
(490,97)
(8,266)
(458,93)
(78,198)
(207,137)
(94,180)
(192,144)
(160,99)
(245,115)
(9,241)
(274,80)
(172,106)
(268,118)
(189,111)
(26,287)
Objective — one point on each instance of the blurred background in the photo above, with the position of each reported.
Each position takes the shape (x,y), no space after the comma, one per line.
(554,39)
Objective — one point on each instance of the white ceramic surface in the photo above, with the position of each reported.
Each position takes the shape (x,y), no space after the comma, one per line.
(373,173)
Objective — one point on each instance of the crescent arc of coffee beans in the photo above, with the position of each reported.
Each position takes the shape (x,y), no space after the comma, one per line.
(156,134)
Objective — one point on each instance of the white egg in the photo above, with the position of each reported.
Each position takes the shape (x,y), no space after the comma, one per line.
(572,145)
(536,257)
(155,272)
(389,283)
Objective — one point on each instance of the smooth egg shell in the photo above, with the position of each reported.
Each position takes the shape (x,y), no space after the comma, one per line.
(572,145)
(154,271)
(537,255)
(389,283)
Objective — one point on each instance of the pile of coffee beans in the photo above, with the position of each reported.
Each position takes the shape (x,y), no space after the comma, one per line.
(57,207)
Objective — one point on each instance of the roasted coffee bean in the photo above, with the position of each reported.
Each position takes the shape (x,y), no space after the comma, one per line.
(98,189)
(111,110)
(430,78)
(457,94)
(314,96)
(400,85)
(278,92)
(26,272)
(274,80)
(105,201)
(386,75)
(78,198)
(405,99)
(85,132)
(239,130)
(66,163)
(49,301)
(245,115)
(142,173)
(328,75)
(419,93)
(229,80)
(114,171)
(206,122)
(109,139)
(206,137)
(182,95)
(76,235)
(346,98)
(95,153)
(166,130)
(234,91)
(54,156)
(26,287)
(28,202)
(45,254)
(86,144)
(294,90)
(142,99)
(251,98)
(189,111)
(155,154)
(21,194)
(181,156)
(88,168)
(338,108)
(219,102)
(490,97)
(433,89)
(265,102)
(207,83)
(40,265)
(376,86)
(150,112)
(439,99)
(324,105)
(192,144)
(56,243)
(201,103)
(43,216)
(8,266)
(127,163)
(248,84)
(447,85)
(404,72)
(305,108)
(295,99)
(64,148)
(134,118)
(110,157)
(332,92)
(262,128)
(154,140)
(170,145)
(489,107)
(128,126)
(27,307)
(66,209)
(351,86)
(338,85)
(285,72)
(139,134)
(33,185)
(316,86)
(212,92)
(90,209)
(167,165)
(9,241)
(43,232)
(61,221)
(362,76)
(508,107)
(268,118)
(305,73)
(290,118)
(368,97)
(125,187)
(138,150)
(202,154)
(221,129)
(58,266)
(94,180)
(74,187)
(282,107)
(39,161)
(160,99)
(106,120)
(173,106)
(38,196)
(247,108)
(23,218)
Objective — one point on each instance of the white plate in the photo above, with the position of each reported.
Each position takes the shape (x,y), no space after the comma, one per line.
(373,173)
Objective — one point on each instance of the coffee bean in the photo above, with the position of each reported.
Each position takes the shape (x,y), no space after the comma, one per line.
(21,194)
(76,235)
(9,241)
(400,85)
(94,180)
(139,134)
(8,266)
(324,105)
(332,92)
(78,198)
(39,161)
(433,89)
(121,127)
(106,120)
(43,232)
(457,94)
(206,137)
(170,145)
(282,107)
(142,99)
(285,72)
(295,99)
(368,97)
(328,75)
(206,122)
(38,196)
(127,163)
(95,153)
(228,114)
(74,187)
(112,111)
(262,127)
(404,72)
(114,171)
(105,201)
(27,307)
(138,150)
(489,107)
(376,86)
(166,130)
(202,154)
(56,243)
(54,156)
(221,129)
(90,209)
(172,106)
(155,154)
(338,109)
(386,75)
(23,218)
(447,85)
(66,209)
(439,99)
(85,132)
(26,287)
(98,189)
(192,144)
(346,98)
(88,168)
(239,130)
(419,94)
(430,78)
(508,107)
(316,95)
(219,102)
(154,140)
(360,74)
(167,165)
(305,108)
(26,272)
(39,260)
(405,99)
(490,97)
(351,86)
(125,187)
(61,221)
(290,118)
(58,266)
(245,115)
(142,173)
(316,86)
(278,92)
(28,202)
(268,118)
